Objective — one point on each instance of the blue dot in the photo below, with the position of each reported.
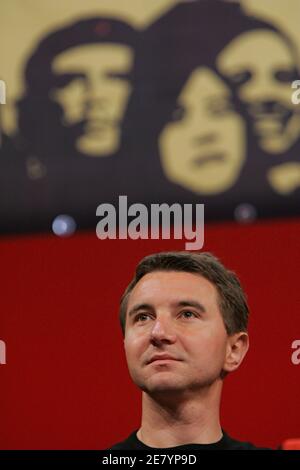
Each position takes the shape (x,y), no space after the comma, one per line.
(64,225)
(245,213)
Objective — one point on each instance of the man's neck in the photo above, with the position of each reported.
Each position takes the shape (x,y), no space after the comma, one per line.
(170,420)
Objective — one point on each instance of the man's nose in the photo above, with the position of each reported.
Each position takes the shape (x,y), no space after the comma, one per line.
(262,87)
(202,129)
(265,107)
(98,103)
(205,137)
(97,89)
(163,332)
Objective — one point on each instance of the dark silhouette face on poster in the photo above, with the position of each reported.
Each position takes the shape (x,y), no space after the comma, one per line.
(186,108)
(261,64)
(206,129)
(78,84)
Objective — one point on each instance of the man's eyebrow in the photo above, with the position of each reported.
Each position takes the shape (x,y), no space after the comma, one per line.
(191,303)
(138,307)
(181,303)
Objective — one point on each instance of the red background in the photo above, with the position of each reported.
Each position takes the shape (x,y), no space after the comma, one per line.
(65,384)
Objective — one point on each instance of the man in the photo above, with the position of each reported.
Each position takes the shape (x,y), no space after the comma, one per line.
(78,84)
(263,83)
(96,93)
(184,318)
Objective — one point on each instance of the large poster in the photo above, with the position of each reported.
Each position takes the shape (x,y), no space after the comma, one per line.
(164,102)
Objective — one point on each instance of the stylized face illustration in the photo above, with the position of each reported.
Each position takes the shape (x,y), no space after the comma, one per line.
(203,147)
(261,66)
(93,91)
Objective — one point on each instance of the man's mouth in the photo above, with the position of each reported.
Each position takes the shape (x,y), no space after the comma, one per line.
(98,126)
(208,158)
(269,118)
(268,125)
(162,357)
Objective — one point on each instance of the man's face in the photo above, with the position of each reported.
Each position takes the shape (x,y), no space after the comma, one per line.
(176,314)
(93,94)
(261,66)
(203,148)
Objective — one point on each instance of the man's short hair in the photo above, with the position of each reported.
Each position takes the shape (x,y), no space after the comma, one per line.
(231,296)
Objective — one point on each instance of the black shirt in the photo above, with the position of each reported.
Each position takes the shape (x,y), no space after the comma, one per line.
(225,443)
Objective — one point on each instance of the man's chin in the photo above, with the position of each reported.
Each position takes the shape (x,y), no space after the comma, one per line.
(274,144)
(97,145)
(98,142)
(271,137)
(162,384)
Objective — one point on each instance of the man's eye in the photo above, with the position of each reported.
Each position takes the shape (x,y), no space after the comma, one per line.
(141,317)
(188,314)
(60,81)
(118,76)
(221,106)
(286,76)
(240,78)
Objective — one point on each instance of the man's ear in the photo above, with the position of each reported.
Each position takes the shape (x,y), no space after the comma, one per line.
(237,348)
